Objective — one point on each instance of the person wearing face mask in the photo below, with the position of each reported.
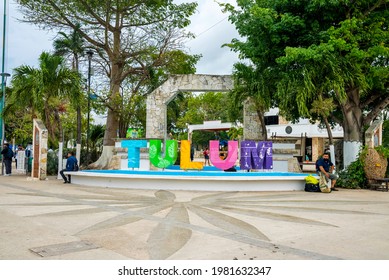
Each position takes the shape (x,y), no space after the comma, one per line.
(325,167)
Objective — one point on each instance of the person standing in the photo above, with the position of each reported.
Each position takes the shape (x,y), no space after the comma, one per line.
(192,152)
(71,165)
(7,159)
(206,157)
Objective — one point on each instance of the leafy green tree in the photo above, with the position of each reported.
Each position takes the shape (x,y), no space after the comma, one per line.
(323,108)
(176,110)
(97,138)
(193,108)
(43,91)
(72,46)
(208,106)
(253,85)
(130,37)
(335,49)
(18,122)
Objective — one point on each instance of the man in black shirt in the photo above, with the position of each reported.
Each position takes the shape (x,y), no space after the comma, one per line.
(325,167)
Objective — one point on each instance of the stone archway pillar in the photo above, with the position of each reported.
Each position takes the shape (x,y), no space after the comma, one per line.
(251,125)
(156,120)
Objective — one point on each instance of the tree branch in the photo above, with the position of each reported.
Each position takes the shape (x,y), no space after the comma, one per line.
(371,99)
(96,16)
(375,6)
(68,22)
(376,110)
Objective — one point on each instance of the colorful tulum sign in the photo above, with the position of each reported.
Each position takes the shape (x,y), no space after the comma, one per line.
(252,155)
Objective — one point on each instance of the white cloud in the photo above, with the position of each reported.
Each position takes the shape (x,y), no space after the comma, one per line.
(213,30)
(26,42)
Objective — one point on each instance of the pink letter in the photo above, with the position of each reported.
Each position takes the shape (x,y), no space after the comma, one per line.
(231,158)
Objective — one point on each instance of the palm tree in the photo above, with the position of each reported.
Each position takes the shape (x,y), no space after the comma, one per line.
(73,46)
(70,46)
(23,94)
(44,90)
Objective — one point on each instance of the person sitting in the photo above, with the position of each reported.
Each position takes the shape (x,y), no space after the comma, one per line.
(325,167)
(71,165)
(223,156)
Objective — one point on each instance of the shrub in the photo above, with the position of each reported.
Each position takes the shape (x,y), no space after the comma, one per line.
(353,177)
(385,152)
(52,163)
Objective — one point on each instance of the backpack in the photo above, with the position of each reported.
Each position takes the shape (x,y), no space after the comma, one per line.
(75,167)
(312,187)
(10,153)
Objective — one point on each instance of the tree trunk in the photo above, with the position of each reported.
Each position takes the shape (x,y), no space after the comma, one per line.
(123,126)
(329,131)
(104,159)
(112,124)
(48,124)
(352,117)
(109,141)
(352,127)
(59,123)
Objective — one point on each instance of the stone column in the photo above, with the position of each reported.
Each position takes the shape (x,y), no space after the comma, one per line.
(251,124)
(156,116)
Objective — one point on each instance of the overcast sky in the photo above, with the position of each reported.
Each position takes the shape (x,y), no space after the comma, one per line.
(26,42)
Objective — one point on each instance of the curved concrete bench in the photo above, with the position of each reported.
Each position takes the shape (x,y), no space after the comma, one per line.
(191,180)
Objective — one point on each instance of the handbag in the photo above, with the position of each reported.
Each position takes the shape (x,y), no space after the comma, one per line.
(323,183)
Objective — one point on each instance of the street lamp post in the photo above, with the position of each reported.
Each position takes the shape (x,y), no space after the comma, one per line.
(3,81)
(90,54)
(4,77)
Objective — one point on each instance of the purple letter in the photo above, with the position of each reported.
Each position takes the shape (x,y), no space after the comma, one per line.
(249,158)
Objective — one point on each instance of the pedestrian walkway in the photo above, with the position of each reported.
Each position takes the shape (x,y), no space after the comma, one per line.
(51,220)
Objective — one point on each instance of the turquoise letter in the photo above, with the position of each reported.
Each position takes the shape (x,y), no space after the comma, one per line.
(133,151)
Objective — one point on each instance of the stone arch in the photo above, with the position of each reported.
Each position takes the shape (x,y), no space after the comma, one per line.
(158,100)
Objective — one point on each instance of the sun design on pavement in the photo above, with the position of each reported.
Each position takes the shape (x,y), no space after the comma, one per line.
(231,215)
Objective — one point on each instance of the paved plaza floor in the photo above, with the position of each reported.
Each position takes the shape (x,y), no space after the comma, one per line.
(51,220)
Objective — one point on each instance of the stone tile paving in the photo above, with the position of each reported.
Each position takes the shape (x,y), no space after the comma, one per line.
(78,222)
